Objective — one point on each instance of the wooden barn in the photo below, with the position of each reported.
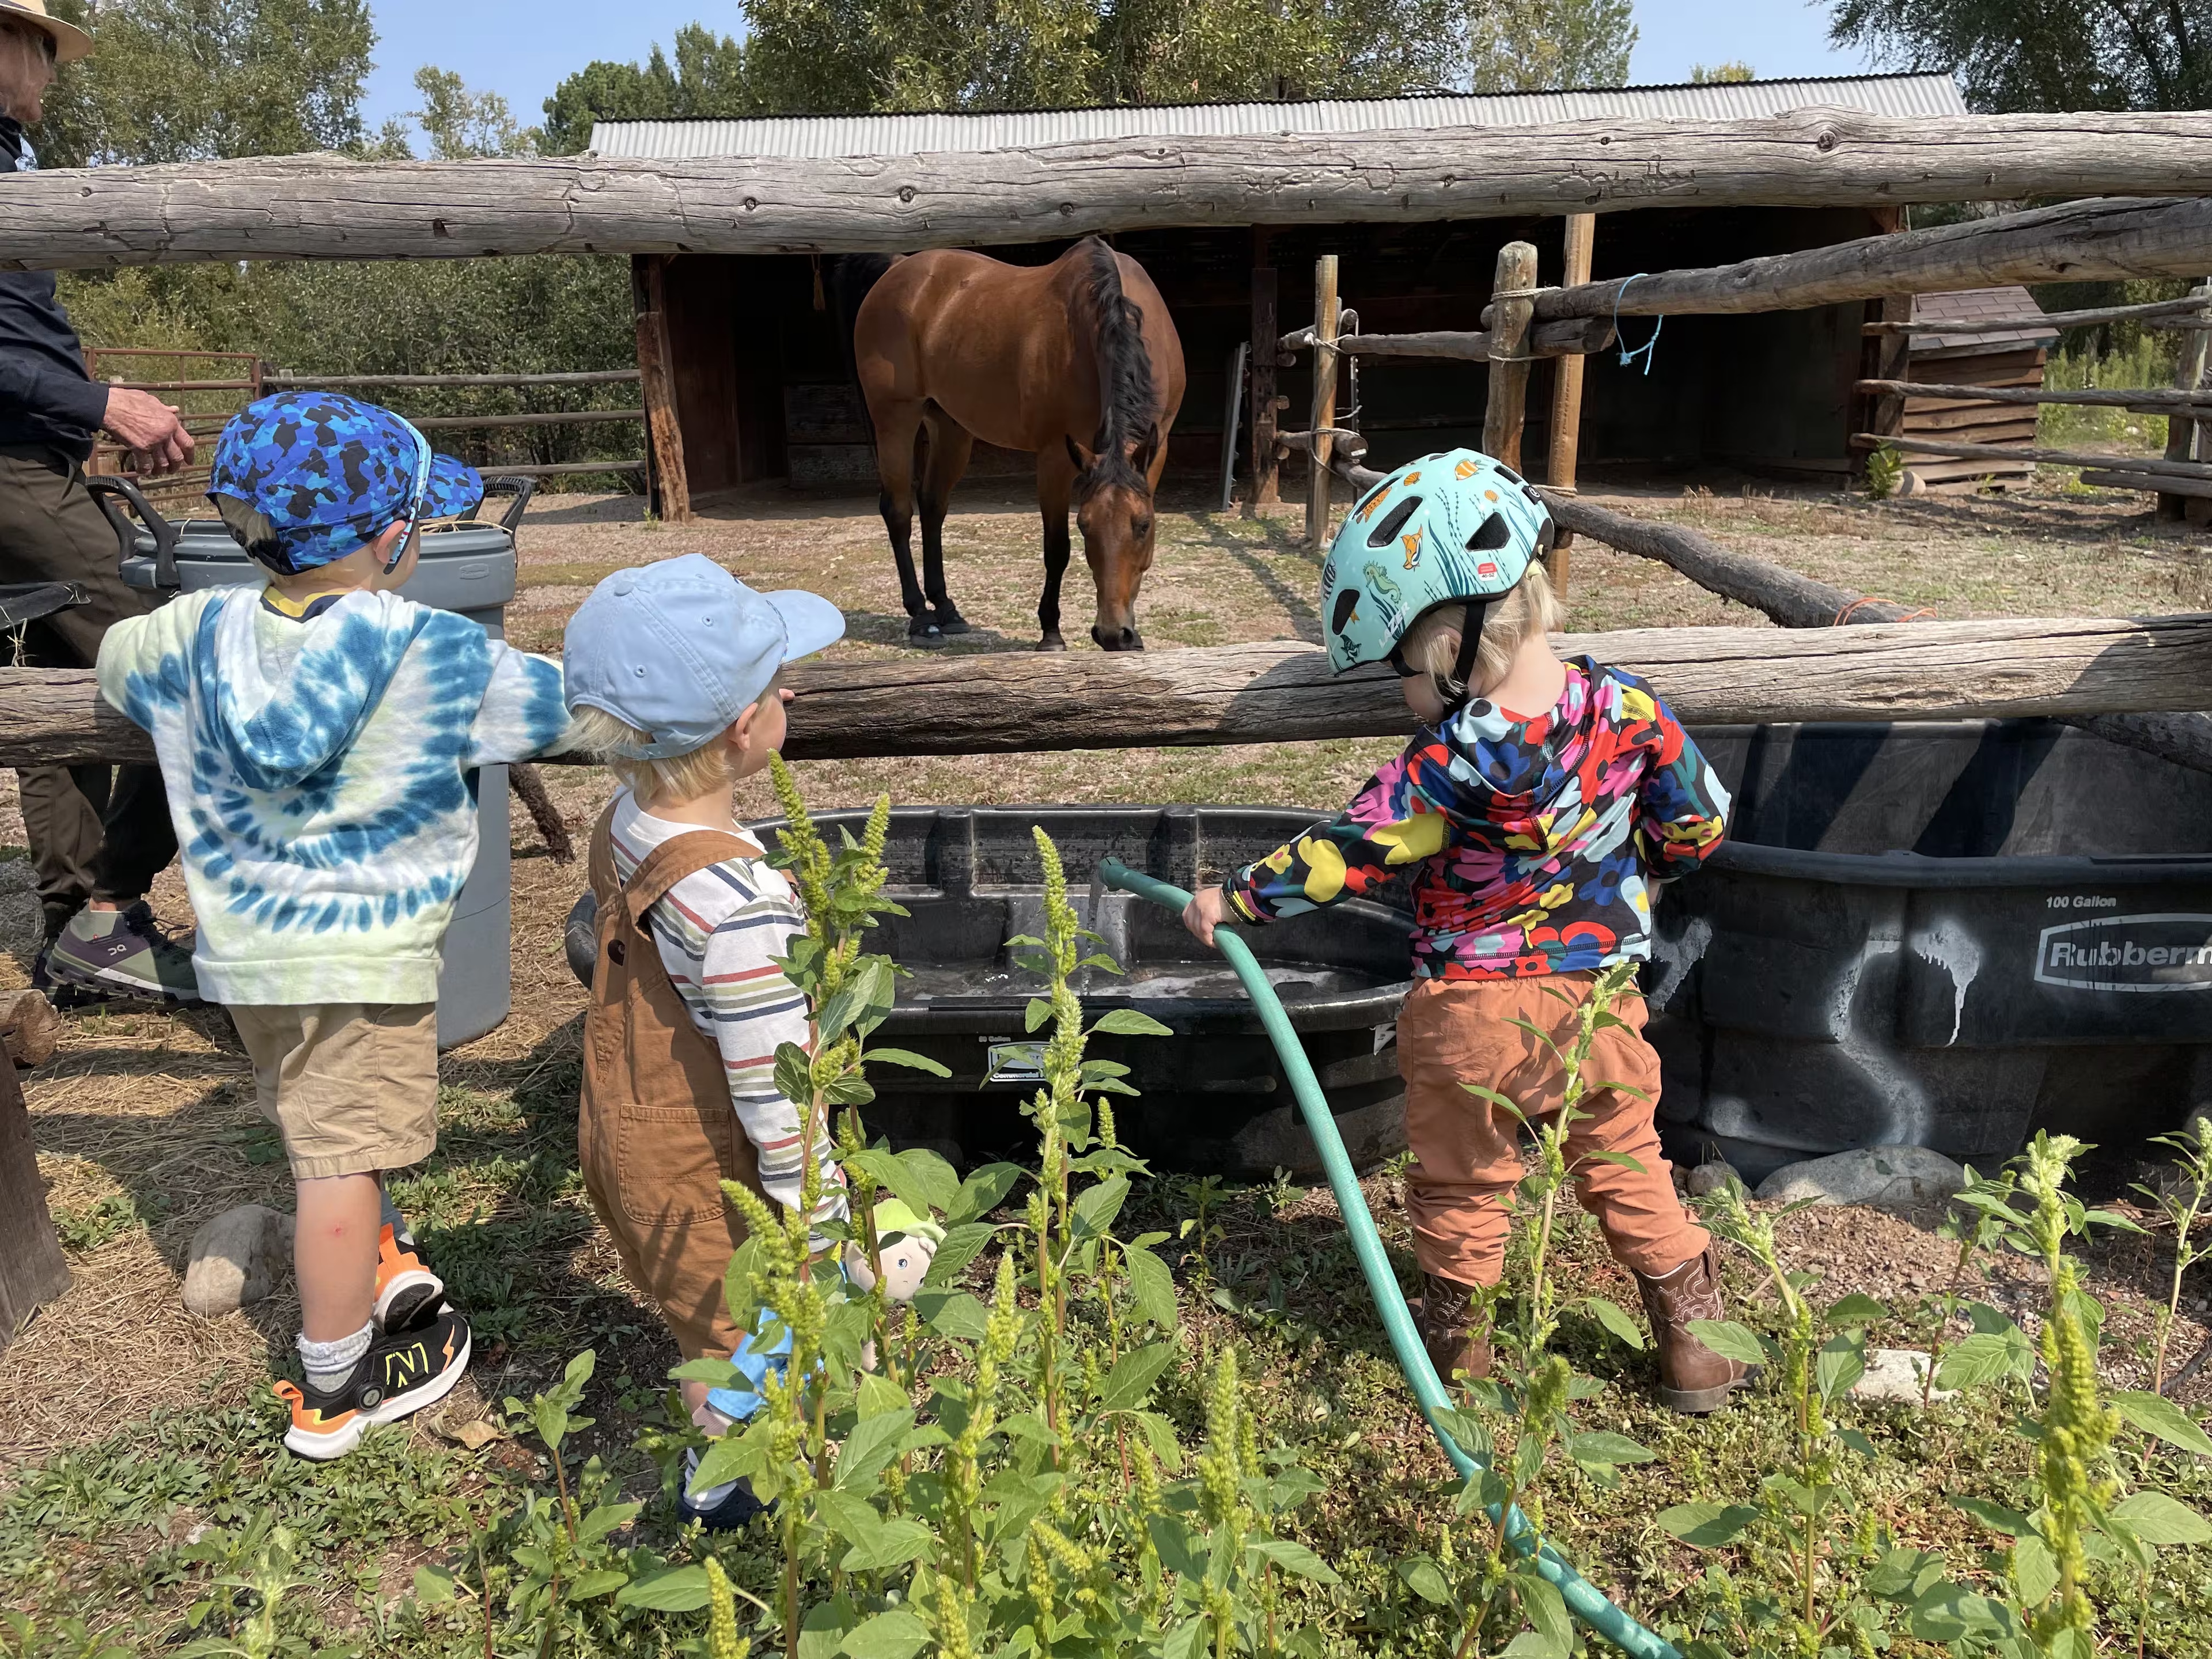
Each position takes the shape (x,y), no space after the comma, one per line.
(759,378)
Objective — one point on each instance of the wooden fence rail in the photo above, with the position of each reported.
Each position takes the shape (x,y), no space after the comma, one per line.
(327,207)
(2187,306)
(2197,470)
(2153,400)
(2077,241)
(1283,691)
(332,382)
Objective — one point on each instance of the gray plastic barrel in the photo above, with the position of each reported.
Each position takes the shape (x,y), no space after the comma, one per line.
(468,568)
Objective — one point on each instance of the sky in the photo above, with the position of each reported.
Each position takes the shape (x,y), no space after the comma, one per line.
(523,48)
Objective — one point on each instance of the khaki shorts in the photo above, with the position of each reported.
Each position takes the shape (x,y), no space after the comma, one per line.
(353,1086)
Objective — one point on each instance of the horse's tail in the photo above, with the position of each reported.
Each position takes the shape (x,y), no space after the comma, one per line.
(847,278)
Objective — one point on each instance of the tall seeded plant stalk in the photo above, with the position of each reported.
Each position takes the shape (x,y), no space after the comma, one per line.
(2180,1199)
(2077,1427)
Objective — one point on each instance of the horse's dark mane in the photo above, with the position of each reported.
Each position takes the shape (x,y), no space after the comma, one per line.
(1127,403)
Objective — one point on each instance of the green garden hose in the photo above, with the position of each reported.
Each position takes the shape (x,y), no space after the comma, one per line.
(1582,1598)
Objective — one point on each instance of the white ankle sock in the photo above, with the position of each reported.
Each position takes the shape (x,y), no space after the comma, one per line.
(713,1423)
(328,1365)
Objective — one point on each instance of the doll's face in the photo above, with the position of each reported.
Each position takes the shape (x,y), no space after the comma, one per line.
(905,1263)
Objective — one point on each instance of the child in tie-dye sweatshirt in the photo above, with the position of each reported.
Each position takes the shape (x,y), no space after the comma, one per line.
(319,739)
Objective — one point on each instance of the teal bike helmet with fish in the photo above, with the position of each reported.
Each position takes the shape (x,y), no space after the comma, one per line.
(1455,526)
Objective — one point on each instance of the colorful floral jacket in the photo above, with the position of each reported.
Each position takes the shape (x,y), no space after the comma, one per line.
(1530,842)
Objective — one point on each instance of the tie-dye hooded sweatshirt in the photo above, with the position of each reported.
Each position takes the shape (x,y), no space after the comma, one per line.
(319,776)
(1530,841)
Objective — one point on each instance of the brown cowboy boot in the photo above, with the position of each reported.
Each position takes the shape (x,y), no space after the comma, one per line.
(1444,1316)
(1693,1378)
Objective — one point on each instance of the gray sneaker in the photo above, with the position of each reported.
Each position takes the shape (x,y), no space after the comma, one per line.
(123,953)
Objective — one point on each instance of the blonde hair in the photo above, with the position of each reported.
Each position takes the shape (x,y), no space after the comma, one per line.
(1431,644)
(687,776)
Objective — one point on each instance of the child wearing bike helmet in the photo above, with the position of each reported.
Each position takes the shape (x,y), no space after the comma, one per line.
(1534,808)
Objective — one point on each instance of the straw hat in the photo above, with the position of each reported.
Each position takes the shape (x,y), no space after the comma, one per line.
(71,42)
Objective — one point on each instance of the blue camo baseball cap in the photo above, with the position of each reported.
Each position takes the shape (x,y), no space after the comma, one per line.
(680,648)
(327,474)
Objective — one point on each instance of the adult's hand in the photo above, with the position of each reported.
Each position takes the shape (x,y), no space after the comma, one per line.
(150,427)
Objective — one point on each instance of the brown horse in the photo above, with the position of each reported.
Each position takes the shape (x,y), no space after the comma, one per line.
(1076,363)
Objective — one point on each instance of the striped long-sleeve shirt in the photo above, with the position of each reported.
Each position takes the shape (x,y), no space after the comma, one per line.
(718,930)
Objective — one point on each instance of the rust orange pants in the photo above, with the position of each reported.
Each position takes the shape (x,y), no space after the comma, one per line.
(1467,1151)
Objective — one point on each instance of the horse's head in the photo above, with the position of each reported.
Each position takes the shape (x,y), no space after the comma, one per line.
(1114,510)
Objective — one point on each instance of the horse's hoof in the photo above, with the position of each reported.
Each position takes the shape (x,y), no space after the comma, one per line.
(1052,642)
(951,622)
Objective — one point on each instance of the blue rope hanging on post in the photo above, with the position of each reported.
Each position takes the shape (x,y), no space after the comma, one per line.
(1643,350)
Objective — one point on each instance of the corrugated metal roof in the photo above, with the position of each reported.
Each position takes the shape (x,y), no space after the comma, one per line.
(819,137)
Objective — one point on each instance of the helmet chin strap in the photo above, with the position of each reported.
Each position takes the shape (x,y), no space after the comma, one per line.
(1470,647)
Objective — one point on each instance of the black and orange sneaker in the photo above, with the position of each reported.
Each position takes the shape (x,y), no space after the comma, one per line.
(407,1292)
(396,1377)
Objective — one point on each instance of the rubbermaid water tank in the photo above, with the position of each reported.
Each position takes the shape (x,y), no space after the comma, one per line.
(468,568)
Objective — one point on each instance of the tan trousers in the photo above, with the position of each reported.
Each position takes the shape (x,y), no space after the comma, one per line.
(1467,1151)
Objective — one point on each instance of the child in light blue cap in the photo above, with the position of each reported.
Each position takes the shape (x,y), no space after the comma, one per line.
(671,675)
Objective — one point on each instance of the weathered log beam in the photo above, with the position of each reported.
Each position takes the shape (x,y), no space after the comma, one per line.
(1283,691)
(2074,242)
(328,206)
(1576,337)
(2181,307)
(2151,400)
(1798,601)
(1788,598)
(2200,470)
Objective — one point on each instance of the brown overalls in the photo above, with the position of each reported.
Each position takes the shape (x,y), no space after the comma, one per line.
(656,1134)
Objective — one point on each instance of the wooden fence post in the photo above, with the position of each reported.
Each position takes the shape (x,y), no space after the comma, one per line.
(2183,436)
(32,1270)
(1324,399)
(657,380)
(1564,447)
(1884,357)
(1266,348)
(1512,299)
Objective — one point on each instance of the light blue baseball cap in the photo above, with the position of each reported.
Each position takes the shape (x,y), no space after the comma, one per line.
(680,648)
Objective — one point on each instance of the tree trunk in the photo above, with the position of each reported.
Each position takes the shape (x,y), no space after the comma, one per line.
(327,207)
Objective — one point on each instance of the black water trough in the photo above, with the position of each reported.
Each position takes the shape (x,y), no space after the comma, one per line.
(1945,935)
(1213,1099)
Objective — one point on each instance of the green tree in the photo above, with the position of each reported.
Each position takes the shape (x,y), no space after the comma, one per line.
(1713,75)
(1516,46)
(707,79)
(186,80)
(2043,54)
(804,57)
(463,126)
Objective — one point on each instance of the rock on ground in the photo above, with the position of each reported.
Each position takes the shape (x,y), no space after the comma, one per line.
(1707,1178)
(236,1258)
(1897,1375)
(1870,1174)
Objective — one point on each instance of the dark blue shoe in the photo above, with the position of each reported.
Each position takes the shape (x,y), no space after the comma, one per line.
(737,1507)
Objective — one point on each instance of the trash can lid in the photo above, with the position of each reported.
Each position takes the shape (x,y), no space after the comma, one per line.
(468,566)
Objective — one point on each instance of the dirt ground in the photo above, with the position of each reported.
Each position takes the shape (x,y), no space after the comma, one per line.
(145,1123)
